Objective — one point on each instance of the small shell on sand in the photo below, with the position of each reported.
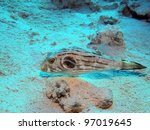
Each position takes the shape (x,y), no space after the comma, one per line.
(74,95)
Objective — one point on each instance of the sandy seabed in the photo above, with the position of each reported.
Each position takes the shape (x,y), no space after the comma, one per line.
(30,30)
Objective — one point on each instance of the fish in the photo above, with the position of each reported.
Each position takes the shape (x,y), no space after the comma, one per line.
(75,62)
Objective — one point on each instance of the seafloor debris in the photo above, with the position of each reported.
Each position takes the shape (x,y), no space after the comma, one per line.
(106,97)
(24,15)
(137,10)
(94,7)
(109,37)
(53,44)
(129,12)
(2,74)
(74,95)
(109,0)
(124,2)
(108,20)
(76,3)
(70,3)
(110,43)
(135,5)
(110,6)
(72,104)
(57,89)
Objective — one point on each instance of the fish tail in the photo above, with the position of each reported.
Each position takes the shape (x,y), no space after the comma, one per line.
(130,65)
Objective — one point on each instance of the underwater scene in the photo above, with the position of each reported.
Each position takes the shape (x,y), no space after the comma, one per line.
(75,56)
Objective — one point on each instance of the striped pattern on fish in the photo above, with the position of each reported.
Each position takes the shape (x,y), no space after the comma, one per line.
(78,62)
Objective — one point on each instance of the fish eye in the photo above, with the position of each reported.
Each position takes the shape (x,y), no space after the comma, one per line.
(69,62)
(51,61)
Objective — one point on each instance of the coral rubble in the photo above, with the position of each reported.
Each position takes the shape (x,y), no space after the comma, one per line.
(70,3)
(108,20)
(57,90)
(110,37)
(138,10)
(75,4)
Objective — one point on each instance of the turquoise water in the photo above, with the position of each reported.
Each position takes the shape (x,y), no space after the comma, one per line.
(29,30)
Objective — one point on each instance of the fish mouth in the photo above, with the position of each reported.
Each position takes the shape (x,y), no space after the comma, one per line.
(44,68)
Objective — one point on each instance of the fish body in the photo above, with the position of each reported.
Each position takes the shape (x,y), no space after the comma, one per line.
(76,62)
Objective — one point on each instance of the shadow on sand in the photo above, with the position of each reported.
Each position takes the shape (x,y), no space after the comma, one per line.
(97,75)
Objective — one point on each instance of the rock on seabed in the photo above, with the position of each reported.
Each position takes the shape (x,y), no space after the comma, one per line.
(75,95)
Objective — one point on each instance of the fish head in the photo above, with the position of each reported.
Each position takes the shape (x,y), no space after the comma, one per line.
(59,64)
(49,65)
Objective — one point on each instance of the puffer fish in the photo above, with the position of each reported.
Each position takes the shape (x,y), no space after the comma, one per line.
(75,62)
